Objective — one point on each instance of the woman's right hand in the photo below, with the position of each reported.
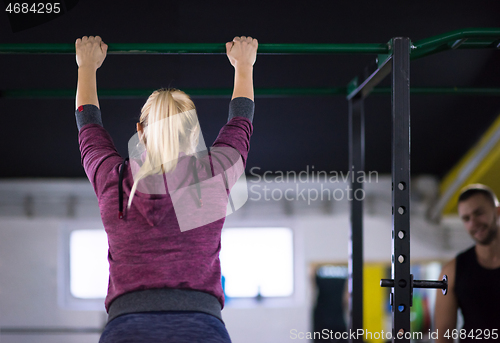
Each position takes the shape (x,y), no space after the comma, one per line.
(242,51)
(90,51)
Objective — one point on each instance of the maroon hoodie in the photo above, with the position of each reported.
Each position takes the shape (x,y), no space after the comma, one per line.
(147,249)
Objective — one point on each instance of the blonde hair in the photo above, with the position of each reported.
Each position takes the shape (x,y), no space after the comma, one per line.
(176,129)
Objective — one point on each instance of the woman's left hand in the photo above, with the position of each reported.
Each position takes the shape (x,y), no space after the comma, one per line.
(90,51)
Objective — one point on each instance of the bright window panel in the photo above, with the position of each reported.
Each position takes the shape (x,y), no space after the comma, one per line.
(89,268)
(252,260)
(257,260)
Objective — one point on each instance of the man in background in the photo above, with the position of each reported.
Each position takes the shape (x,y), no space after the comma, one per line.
(474,275)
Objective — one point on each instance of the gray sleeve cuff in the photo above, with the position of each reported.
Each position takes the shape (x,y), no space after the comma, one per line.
(241,107)
(88,114)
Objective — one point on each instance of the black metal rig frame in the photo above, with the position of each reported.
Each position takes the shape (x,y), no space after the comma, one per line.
(397,63)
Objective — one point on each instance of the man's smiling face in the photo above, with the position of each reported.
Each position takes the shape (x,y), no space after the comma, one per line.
(480,218)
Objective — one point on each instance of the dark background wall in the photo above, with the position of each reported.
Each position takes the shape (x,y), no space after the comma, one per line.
(39,136)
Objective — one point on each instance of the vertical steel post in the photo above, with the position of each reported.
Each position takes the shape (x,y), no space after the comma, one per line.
(401,295)
(356,164)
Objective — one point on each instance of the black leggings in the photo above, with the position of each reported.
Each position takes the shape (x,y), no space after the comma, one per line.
(165,327)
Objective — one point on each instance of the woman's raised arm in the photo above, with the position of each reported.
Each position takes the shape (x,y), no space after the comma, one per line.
(242,53)
(90,53)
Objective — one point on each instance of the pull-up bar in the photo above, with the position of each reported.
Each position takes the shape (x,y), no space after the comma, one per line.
(472,38)
(196,48)
(224,92)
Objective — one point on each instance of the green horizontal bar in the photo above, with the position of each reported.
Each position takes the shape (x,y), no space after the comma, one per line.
(488,38)
(196,48)
(144,93)
(226,92)
(444,90)
(445,41)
